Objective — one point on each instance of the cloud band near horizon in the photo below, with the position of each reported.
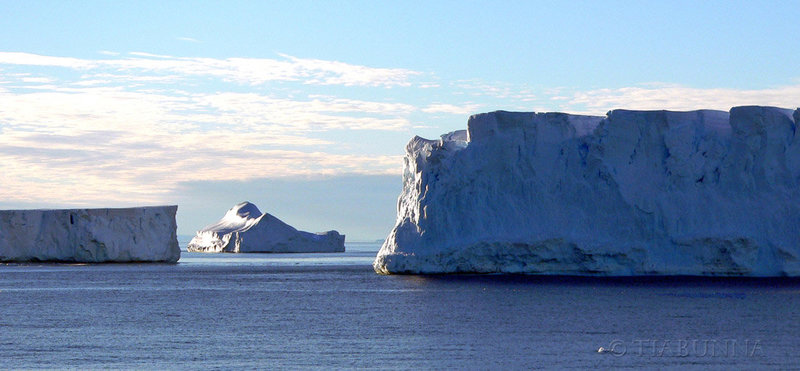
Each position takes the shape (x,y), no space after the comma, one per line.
(129,128)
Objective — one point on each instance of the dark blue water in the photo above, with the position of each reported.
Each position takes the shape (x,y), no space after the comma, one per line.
(331,311)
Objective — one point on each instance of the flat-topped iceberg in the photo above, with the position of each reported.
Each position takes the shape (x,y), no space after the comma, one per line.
(632,193)
(245,229)
(138,234)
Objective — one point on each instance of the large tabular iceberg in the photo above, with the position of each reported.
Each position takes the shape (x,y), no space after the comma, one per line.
(632,193)
(245,229)
(140,234)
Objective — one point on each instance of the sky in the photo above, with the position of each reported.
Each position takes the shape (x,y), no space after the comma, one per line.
(304,107)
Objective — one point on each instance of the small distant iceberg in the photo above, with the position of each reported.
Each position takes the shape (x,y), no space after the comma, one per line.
(245,229)
(124,235)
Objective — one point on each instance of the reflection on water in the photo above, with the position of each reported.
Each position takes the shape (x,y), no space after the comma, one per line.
(355,254)
(346,258)
(232,311)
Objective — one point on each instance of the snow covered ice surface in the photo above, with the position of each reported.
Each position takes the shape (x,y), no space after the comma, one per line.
(632,193)
(245,229)
(139,234)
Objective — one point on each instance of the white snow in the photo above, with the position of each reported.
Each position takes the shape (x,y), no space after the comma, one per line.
(245,229)
(140,234)
(632,193)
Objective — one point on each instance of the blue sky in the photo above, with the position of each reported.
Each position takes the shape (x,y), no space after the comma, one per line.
(128,103)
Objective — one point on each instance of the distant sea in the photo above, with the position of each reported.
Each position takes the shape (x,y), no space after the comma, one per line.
(322,311)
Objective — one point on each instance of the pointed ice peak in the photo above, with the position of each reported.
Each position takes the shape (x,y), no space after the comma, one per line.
(245,229)
(245,210)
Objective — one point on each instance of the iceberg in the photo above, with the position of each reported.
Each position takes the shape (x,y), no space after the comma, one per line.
(631,193)
(139,234)
(245,229)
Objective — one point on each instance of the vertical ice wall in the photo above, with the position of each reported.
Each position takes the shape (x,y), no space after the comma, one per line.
(633,193)
(139,234)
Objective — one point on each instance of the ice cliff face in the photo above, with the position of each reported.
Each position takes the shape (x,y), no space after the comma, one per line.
(141,234)
(245,229)
(633,193)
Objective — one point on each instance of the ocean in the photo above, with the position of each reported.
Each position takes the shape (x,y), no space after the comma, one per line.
(331,311)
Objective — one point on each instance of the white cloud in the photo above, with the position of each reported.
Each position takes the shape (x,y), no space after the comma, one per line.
(511,92)
(151,55)
(253,111)
(451,109)
(338,73)
(130,128)
(110,169)
(649,96)
(28,59)
(677,97)
(84,143)
(250,71)
(37,80)
(188,39)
